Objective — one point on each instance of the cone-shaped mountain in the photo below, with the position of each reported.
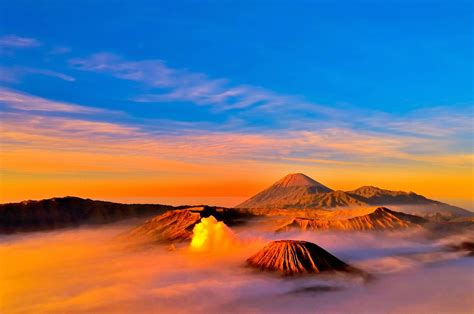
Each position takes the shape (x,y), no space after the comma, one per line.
(289,257)
(299,191)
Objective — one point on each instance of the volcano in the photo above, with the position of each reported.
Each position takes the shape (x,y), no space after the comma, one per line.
(175,225)
(290,257)
(293,190)
(409,202)
(298,191)
(380,219)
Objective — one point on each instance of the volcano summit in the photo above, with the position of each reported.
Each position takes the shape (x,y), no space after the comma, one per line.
(290,257)
(298,191)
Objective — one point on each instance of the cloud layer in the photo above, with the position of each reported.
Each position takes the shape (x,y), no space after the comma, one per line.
(202,129)
(86,270)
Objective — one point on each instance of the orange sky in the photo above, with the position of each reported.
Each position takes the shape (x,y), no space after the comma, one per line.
(44,157)
(38,173)
(109,119)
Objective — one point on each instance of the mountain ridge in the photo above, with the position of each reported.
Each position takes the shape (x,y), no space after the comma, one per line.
(381,218)
(319,196)
(175,225)
(69,211)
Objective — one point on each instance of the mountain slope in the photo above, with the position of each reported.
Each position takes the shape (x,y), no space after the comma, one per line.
(298,191)
(377,196)
(294,190)
(68,211)
(380,219)
(290,257)
(332,199)
(175,225)
(408,202)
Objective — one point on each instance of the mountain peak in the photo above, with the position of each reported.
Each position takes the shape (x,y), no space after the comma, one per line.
(290,257)
(381,218)
(297,179)
(174,225)
(368,191)
(291,190)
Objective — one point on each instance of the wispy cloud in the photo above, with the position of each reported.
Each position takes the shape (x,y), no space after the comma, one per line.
(326,146)
(246,102)
(15,73)
(431,122)
(17,42)
(181,85)
(311,131)
(186,156)
(22,101)
(51,73)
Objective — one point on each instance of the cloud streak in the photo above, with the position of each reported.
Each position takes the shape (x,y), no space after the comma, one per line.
(51,73)
(17,42)
(260,128)
(122,159)
(25,102)
(428,122)
(14,74)
(180,85)
(246,102)
(325,146)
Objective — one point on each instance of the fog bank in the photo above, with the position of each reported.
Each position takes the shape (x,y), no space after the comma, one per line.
(87,270)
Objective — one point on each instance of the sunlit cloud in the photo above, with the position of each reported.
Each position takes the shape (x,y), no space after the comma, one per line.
(429,122)
(197,157)
(22,101)
(196,121)
(120,160)
(335,146)
(85,270)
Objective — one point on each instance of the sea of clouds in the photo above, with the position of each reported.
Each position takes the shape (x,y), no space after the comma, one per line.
(93,270)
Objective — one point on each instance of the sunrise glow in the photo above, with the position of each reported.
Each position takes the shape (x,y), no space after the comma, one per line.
(236,156)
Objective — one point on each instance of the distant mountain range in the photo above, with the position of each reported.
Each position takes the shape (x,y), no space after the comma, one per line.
(380,219)
(298,191)
(63,212)
(293,192)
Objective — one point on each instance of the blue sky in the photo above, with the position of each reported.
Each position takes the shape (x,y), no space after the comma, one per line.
(400,72)
(392,56)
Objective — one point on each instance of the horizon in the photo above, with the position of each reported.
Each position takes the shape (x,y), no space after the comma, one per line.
(204,156)
(154,101)
(224,201)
